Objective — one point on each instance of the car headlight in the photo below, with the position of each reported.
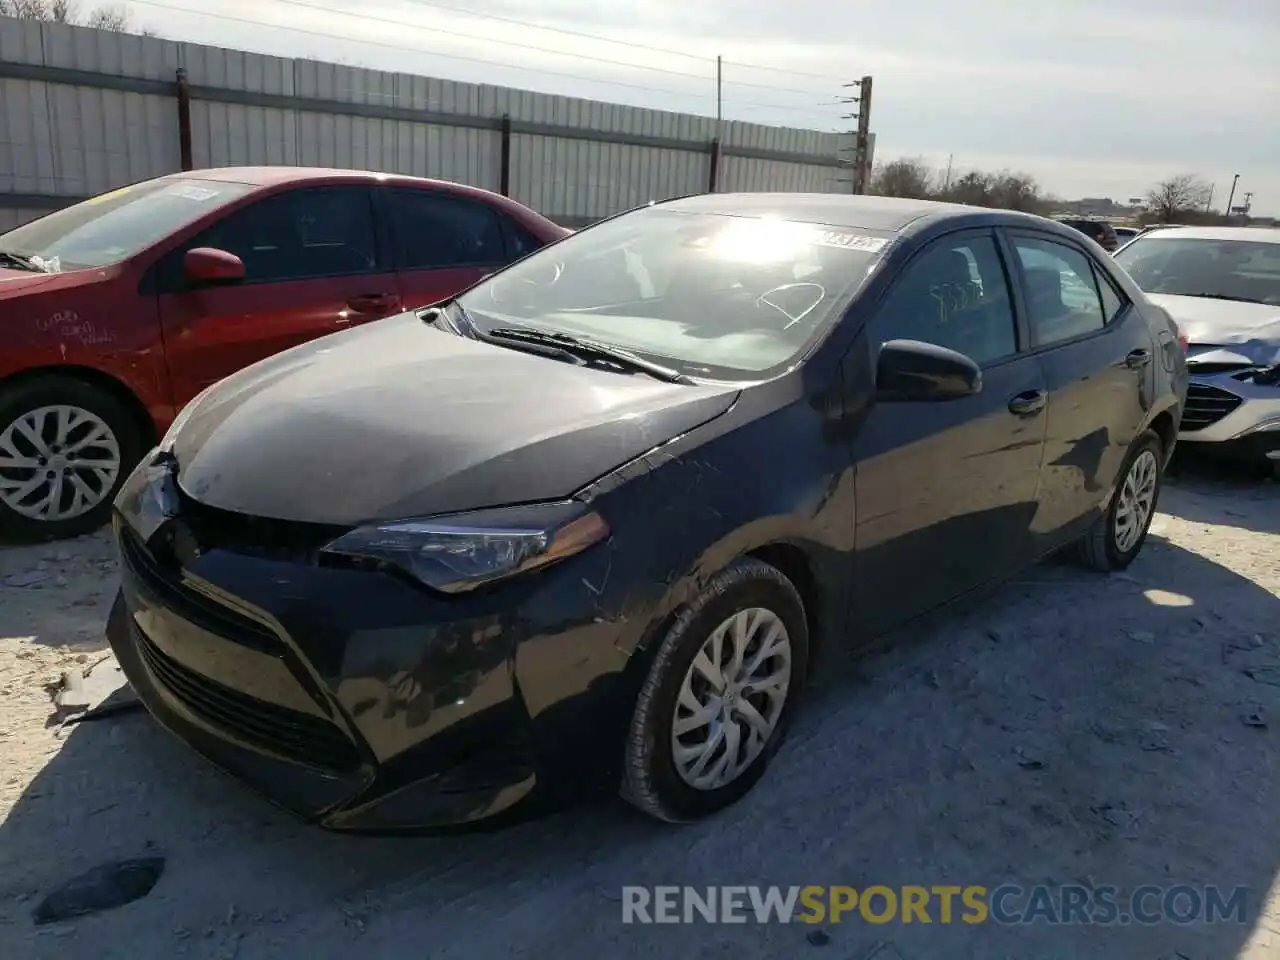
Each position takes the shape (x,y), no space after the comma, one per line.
(149,496)
(1269,376)
(458,553)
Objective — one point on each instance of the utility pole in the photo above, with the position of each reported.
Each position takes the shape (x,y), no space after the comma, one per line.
(1234,181)
(947,186)
(862,135)
(1208,204)
(719,94)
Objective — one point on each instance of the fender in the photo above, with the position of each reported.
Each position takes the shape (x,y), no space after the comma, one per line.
(679,517)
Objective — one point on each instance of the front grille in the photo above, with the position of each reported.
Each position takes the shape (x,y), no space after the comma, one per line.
(265,537)
(193,606)
(1207,405)
(279,730)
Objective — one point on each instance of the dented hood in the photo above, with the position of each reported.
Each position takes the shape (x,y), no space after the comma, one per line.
(398,419)
(1221,322)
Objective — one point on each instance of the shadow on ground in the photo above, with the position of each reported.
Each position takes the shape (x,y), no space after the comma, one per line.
(1071,729)
(1209,491)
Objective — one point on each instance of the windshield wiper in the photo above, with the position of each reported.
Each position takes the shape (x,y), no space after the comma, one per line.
(1224,296)
(587,350)
(8,258)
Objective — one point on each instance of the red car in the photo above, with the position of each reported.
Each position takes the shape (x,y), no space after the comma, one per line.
(117,311)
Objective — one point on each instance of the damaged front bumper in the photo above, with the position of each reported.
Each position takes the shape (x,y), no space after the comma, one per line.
(353,698)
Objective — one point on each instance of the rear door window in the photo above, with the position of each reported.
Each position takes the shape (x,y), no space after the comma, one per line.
(1113,302)
(1062,295)
(434,230)
(520,242)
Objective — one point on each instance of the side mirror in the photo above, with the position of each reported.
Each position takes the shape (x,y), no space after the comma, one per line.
(914,370)
(206,266)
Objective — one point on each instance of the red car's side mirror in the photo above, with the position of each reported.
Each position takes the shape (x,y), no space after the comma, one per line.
(206,266)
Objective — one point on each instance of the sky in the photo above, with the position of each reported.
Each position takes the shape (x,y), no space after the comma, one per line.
(1097,98)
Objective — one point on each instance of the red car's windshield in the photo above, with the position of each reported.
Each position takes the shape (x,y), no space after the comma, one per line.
(114,226)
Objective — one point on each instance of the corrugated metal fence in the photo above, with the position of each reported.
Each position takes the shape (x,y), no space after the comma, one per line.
(83,111)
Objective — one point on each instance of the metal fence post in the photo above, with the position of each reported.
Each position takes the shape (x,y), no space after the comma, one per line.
(184,120)
(504,175)
(713,171)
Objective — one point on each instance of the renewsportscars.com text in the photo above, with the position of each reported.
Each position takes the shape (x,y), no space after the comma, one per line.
(1005,904)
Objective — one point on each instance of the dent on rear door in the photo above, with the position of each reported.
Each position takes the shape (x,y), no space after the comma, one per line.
(1098,403)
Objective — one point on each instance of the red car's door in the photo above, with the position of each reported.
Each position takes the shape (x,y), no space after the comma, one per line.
(443,243)
(312,267)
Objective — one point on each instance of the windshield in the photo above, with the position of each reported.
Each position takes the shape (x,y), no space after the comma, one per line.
(114,226)
(714,296)
(1245,270)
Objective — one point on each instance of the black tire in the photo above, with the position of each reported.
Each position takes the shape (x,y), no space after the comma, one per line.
(1098,548)
(650,779)
(28,396)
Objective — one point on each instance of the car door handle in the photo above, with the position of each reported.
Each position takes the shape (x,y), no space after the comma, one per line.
(372,302)
(1137,358)
(1028,403)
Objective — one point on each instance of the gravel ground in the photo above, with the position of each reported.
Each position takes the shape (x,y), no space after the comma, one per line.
(1070,728)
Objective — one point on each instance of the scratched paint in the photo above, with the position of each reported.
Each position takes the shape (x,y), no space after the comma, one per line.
(67,326)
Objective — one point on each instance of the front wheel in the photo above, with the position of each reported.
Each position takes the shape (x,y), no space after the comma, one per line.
(719,695)
(65,449)
(1117,536)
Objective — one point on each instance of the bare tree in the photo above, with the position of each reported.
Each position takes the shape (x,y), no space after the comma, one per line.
(109,18)
(1175,198)
(907,177)
(974,187)
(115,19)
(1012,190)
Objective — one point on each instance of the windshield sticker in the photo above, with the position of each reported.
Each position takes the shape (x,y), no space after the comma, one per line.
(189,191)
(850,241)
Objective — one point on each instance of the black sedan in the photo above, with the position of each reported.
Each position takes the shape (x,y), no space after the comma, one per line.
(595,521)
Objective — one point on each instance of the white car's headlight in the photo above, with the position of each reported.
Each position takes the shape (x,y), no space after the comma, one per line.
(459,553)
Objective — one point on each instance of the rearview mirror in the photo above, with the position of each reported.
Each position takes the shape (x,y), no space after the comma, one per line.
(206,266)
(914,370)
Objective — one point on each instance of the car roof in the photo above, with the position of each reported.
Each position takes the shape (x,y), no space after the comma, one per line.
(270,176)
(275,176)
(266,178)
(1254,234)
(886,214)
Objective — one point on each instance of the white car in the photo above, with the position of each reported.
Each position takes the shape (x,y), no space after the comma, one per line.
(1221,285)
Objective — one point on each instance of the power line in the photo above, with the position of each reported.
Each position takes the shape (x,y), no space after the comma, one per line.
(622,43)
(647,88)
(796,73)
(541,49)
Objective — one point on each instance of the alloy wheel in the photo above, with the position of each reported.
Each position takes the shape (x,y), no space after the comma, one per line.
(731,699)
(57,462)
(1137,500)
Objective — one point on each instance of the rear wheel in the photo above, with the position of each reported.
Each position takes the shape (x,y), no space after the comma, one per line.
(719,695)
(65,449)
(1118,535)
